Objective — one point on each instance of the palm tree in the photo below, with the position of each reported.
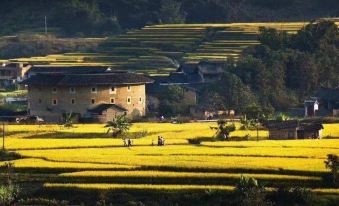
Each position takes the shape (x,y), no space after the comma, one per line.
(119,125)
(68,120)
(282,117)
(223,130)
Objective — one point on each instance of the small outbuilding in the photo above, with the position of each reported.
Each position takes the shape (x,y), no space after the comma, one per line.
(310,131)
(106,112)
(311,106)
(199,112)
(293,129)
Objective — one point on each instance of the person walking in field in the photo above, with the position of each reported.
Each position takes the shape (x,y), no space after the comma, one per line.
(159,140)
(129,143)
(125,142)
(162,141)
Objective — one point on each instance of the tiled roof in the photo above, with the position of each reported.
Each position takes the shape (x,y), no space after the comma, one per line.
(291,124)
(311,126)
(308,103)
(206,67)
(177,77)
(68,69)
(188,68)
(87,79)
(195,78)
(282,124)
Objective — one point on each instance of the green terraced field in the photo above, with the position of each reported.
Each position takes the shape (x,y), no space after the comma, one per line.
(157,49)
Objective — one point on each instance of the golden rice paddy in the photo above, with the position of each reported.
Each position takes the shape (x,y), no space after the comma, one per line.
(85,157)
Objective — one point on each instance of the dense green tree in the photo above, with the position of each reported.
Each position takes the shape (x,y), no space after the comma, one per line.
(91,17)
(250,193)
(212,100)
(301,73)
(230,93)
(206,10)
(286,68)
(77,16)
(315,35)
(332,163)
(223,130)
(171,12)
(272,38)
(171,100)
(272,4)
(172,93)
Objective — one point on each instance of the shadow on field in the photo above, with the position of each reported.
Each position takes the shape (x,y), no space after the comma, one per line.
(258,146)
(67,135)
(88,135)
(13,133)
(269,182)
(233,170)
(233,155)
(91,147)
(170,168)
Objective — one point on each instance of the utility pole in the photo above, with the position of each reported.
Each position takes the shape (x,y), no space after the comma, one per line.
(257,123)
(257,131)
(3,136)
(45,25)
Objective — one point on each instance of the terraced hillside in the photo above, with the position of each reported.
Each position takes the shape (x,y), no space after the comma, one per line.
(159,49)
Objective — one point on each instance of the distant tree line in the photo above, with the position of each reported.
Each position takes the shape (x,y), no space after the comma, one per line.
(281,71)
(103,17)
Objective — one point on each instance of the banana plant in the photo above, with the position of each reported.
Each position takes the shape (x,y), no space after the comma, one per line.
(119,125)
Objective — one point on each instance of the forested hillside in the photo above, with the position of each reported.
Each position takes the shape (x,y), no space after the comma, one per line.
(103,17)
(281,71)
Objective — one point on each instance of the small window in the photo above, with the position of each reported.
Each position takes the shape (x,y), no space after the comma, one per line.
(39,101)
(72,90)
(94,90)
(72,101)
(140,100)
(129,88)
(54,90)
(129,100)
(112,101)
(93,101)
(54,102)
(112,90)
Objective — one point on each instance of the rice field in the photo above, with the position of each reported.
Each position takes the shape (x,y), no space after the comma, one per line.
(85,158)
(157,49)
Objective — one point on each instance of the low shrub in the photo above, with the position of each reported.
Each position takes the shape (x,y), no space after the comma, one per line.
(332,163)
(195,141)
(183,119)
(8,194)
(249,192)
(6,156)
(43,201)
(292,196)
